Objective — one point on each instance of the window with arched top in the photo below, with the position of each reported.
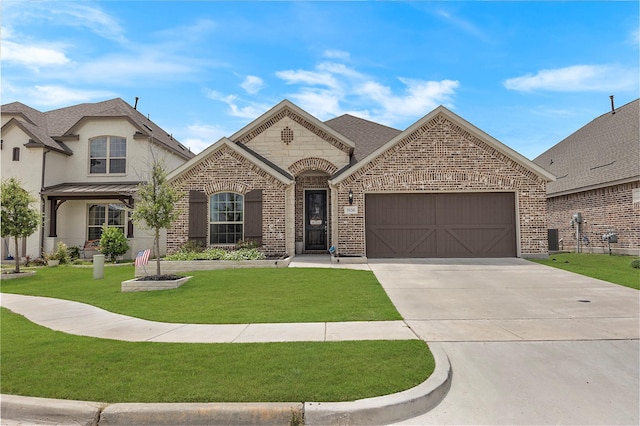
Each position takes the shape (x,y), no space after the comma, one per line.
(108,155)
(226,218)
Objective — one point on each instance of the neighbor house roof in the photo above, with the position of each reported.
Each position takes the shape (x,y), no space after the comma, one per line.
(52,127)
(367,135)
(602,153)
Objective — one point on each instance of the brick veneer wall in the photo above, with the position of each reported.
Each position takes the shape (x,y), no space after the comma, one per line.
(441,156)
(226,170)
(602,209)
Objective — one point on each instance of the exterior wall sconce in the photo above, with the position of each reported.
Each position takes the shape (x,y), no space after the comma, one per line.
(350,197)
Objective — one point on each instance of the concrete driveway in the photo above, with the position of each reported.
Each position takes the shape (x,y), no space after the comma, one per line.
(528,344)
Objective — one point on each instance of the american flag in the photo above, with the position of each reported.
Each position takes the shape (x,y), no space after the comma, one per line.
(142,258)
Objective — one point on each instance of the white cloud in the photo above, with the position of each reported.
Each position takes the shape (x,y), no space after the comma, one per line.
(127,68)
(252,84)
(67,13)
(200,136)
(54,96)
(311,78)
(333,88)
(32,56)
(251,111)
(577,78)
(337,54)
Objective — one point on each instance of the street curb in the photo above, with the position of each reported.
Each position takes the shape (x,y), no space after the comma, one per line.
(32,410)
(389,408)
(378,410)
(201,414)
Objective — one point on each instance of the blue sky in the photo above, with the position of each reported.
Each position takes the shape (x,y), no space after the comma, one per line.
(527,73)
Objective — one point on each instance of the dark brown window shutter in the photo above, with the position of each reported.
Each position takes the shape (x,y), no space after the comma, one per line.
(198,220)
(253,215)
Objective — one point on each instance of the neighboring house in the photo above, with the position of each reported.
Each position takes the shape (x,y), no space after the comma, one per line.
(440,188)
(83,164)
(598,176)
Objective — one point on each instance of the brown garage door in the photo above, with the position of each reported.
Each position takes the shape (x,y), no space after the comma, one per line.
(440,225)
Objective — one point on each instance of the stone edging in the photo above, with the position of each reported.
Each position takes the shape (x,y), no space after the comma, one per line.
(177,266)
(22,274)
(378,410)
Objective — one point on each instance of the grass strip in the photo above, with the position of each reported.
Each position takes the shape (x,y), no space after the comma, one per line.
(40,362)
(614,269)
(231,296)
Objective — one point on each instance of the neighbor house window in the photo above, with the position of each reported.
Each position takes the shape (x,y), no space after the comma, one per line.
(226,218)
(105,214)
(107,154)
(16,154)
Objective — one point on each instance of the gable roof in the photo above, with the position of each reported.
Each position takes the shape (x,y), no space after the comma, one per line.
(602,153)
(473,130)
(59,124)
(243,151)
(367,135)
(289,109)
(33,123)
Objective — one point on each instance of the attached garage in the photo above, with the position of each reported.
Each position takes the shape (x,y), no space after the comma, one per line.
(466,224)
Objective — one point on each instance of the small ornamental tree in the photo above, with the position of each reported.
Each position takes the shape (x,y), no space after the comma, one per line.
(113,243)
(156,206)
(19,219)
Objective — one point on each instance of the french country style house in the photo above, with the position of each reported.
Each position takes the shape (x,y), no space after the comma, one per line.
(294,184)
(83,164)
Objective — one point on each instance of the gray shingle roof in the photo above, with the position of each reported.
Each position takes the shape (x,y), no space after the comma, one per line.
(605,151)
(367,135)
(60,122)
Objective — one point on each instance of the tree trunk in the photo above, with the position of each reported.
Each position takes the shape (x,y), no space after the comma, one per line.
(157,248)
(17,256)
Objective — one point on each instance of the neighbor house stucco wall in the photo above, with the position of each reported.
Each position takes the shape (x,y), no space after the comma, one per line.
(441,156)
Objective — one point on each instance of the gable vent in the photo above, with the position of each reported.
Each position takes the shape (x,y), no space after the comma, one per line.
(286,135)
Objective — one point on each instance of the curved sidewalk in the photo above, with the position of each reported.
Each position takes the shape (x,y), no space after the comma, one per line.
(87,320)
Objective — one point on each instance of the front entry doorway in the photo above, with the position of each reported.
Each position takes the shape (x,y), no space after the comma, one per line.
(315,219)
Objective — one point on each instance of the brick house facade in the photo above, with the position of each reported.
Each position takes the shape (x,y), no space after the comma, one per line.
(316,180)
(599,177)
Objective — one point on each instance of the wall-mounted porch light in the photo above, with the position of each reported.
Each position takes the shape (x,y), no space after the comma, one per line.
(350,197)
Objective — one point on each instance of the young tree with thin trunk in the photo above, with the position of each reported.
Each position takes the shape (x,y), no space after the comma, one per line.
(19,219)
(155,208)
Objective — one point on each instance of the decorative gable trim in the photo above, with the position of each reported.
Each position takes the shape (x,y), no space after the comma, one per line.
(312,164)
(304,119)
(465,129)
(228,147)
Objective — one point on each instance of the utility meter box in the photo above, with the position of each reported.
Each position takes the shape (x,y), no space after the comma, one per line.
(577,217)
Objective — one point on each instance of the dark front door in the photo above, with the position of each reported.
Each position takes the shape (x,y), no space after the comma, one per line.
(315,220)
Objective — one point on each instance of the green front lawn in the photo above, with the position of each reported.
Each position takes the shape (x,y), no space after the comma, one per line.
(231,296)
(615,269)
(40,362)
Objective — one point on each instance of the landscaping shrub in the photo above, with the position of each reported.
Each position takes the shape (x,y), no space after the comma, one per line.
(113,243)
(218,254)
(74,252)
(61,253)
(635,264)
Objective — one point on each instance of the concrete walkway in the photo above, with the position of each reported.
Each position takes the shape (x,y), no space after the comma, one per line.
(87,320)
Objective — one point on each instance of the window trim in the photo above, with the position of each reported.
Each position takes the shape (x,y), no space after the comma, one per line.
(106,218)
(108,156)
(210,222)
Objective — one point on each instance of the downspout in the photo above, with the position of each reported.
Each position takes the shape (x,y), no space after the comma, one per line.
(42,202)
